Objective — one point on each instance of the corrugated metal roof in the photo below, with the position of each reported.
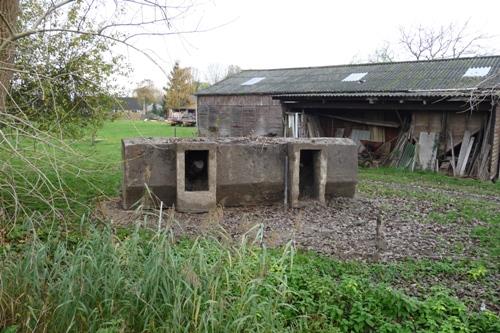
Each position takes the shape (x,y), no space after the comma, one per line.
(431,77)
(396,94)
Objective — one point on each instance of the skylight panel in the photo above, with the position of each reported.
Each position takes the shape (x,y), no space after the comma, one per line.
(354,77)
(252,81)
(477,71)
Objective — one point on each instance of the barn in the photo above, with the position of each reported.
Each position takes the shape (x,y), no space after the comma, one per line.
(433,115)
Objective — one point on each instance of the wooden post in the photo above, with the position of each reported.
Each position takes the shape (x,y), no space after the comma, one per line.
(495,147)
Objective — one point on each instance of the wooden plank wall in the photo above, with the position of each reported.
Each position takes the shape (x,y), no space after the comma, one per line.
(495,149)
(240,115)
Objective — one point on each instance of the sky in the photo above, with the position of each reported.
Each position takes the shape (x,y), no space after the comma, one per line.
(258,34)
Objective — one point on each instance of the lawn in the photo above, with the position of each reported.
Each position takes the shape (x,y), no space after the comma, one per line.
(85,274)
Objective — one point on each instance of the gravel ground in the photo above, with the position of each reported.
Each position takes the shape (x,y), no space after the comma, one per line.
(343,228)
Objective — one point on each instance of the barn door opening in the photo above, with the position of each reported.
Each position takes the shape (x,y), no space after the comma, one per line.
(309,174)
(196,170)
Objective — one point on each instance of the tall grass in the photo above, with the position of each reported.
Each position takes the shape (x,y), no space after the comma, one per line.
(152,284)
(109,285)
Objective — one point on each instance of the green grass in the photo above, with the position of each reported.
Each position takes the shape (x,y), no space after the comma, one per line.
(103,160)
(110,136)
(81,173)
(80,276)
(429,179)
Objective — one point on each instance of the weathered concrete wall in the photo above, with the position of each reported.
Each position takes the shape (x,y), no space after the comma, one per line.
(242,171)
(148,163)
(239,115)
(250,173)
(342,166)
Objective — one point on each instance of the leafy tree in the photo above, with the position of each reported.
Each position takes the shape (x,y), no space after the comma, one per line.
(179,89)
(146,93)
(62,45)
(201,85)
(64,82)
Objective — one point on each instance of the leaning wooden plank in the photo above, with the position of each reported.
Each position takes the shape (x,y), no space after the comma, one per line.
(407,156)
(427,150)
(414,159)
(483,173)
(466,157)
(463,150)
(317,124)
(473,157)
(482,168)
(310,129)
(453,167)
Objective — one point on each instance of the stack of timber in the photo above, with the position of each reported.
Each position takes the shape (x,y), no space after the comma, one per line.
(468,157)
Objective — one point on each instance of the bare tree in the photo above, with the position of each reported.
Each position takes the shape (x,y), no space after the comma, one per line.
(447,41)
(382,54)
(232,69)
(218,72)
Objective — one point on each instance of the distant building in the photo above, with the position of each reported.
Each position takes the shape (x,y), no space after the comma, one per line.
(128,104)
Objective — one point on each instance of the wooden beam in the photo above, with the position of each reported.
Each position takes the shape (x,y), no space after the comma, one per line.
(367,107)
(380,123)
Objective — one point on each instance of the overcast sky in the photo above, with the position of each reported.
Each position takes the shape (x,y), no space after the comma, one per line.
(257,34)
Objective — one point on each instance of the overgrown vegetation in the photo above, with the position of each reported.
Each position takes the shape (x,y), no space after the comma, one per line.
(82,275)
(144,282)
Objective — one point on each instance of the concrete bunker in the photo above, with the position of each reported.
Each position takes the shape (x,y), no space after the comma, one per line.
(195,175)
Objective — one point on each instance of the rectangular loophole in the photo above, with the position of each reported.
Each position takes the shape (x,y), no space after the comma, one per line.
(309,172)
(196,170)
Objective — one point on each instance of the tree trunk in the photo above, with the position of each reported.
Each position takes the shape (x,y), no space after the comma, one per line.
(8,16)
